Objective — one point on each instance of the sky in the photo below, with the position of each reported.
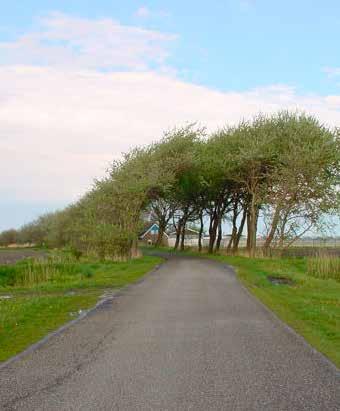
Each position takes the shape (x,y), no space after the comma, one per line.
(82,81)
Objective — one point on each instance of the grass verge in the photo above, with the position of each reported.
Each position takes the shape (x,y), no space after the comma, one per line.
(309,305)
(34,310)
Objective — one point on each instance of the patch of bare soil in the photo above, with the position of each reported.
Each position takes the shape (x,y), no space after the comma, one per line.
(13,256)
(280,280)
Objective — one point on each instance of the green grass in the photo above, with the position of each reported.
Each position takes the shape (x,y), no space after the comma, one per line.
(26,319)
(41,306)
(309,305)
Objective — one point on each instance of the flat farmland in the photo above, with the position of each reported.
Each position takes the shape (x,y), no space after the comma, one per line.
(12,256)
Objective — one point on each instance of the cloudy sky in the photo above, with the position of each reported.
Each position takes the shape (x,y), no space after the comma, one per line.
(81,81)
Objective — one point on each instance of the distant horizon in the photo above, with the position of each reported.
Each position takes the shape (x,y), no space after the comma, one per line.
(37,210)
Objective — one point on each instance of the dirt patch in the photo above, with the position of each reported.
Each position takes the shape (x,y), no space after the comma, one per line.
(280,280)
(5,297)
(13,256)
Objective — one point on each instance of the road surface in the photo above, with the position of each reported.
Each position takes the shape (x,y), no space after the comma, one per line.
(188,337)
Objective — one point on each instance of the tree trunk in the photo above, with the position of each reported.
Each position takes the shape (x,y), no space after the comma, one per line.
(230,242)
(232,239)
(234,229)
(178,235)
(215,220)
(134,251)
(201,232)
(253,215)
(212,234)
(219,236)
(162,226)
(273,228)
(183,236)
(248,230)
(283,227)
(240,230)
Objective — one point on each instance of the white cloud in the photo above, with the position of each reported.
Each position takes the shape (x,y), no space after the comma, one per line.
(246,5)
(332,71)
(59,129)
(333,101)
(65,41)
(63,121)
(145,13)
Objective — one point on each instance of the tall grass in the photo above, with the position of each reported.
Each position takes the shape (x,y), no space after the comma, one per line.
(324,266)
(259,253)
(33,272)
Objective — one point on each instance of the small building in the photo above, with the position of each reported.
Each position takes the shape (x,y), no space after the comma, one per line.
(192,236)
(190,240)
(150,234)
(189,233)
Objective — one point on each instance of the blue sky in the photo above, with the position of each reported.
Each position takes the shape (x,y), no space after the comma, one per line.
(231,44)
(81,81)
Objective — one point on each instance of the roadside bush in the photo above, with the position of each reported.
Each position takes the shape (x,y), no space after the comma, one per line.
(109,242)
(76,253)
(8,237)
(86,271)
(8,274)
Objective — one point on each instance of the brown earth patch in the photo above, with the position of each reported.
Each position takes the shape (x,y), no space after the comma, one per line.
(12,256)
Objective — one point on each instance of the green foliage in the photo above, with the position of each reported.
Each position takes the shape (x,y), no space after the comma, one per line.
(283,168)
(86,271)
(76,253)
(8,274)
(8,237)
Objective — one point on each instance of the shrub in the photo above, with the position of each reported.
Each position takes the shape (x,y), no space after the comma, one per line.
(76,253)
(8,274)
(86,271)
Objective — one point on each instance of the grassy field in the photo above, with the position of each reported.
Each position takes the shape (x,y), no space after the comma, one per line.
(12,255)
(37,298)
(309,305)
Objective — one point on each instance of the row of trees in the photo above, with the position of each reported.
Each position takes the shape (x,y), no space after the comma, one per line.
(282,169)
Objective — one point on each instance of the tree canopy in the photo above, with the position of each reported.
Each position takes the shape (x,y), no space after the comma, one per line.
(283,168)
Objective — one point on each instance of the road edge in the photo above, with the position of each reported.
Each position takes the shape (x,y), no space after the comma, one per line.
(275,317)
(100,304)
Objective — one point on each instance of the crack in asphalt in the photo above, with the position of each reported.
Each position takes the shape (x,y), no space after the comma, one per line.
(90,357)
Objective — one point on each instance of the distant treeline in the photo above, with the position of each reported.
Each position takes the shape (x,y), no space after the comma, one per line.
(282,168)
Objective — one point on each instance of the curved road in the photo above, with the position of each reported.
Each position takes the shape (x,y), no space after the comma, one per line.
(188,337)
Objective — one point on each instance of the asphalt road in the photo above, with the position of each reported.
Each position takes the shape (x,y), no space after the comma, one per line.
(188,337)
